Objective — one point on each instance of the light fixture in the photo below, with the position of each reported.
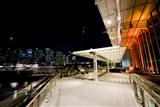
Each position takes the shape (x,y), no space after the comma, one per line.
(109,22)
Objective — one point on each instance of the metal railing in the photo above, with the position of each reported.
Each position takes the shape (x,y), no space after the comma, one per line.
(147,93)
(40,96)
(17,97)
(32,95)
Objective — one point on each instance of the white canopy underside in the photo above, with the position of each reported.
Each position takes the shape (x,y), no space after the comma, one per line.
(114,54)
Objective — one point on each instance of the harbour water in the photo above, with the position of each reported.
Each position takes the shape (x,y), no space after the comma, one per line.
(13,80)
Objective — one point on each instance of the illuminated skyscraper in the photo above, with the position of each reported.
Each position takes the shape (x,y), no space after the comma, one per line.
(59,58)
(48,55)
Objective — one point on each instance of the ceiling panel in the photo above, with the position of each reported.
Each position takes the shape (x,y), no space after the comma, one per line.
(137,13)
(133,18)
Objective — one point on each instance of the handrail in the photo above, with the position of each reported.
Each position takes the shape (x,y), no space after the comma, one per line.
(146,90)
(24,100)
(8,102)
(46,89)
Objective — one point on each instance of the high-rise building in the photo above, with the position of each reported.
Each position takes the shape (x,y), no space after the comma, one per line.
(38,56)
(59,58)
(48,56)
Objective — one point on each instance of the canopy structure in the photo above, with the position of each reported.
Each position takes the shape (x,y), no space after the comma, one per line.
(114,54)
(124,19)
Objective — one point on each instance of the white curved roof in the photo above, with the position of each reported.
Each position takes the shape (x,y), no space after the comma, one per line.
(114,54)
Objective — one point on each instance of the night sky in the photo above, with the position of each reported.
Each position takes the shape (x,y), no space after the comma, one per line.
(64,25)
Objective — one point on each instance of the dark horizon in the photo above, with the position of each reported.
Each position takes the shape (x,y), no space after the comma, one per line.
(60,25)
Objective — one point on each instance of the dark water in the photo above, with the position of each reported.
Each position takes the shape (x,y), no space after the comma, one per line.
(22,79)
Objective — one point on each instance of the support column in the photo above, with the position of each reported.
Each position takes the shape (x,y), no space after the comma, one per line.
(155,34)
(107,65)
(145,51)
(153,52)
(95,68)
(150,57)
(142,57)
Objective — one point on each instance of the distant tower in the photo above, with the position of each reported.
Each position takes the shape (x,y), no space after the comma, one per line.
(59,58)
(48,55)
(38,55)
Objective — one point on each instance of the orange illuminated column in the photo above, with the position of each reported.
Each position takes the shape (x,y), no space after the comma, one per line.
(135,56)
(150,57)
(137,52)
(132,56)
(153,52)
(141,55)
(145,50)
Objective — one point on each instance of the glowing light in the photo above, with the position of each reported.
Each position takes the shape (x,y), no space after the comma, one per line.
(91,49)
(11,38)
(14,84)
(34,84)
(109,22)
(131,68)
(112,38)
(118,18)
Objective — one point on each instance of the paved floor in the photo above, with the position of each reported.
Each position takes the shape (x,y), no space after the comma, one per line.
(115,77)
(72,92)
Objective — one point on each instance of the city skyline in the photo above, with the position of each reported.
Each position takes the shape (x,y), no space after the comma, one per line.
(38,56)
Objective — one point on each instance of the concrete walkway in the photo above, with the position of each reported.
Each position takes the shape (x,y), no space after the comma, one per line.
(72,92)
(122,78)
